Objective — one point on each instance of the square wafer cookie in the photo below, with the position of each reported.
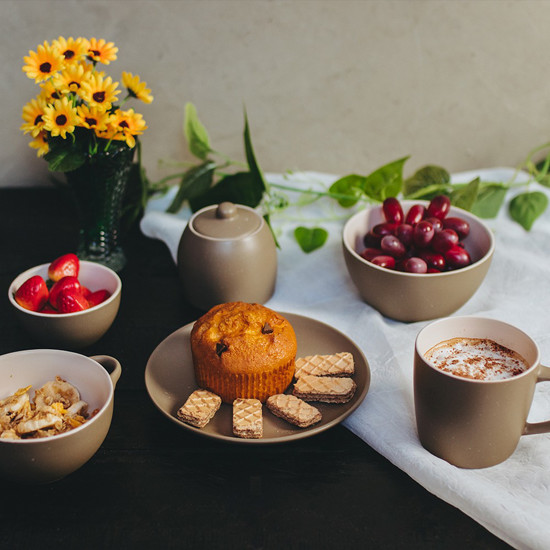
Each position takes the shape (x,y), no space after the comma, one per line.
(327,389)
(336,364)
(200,408)
(293,410)
(247,418)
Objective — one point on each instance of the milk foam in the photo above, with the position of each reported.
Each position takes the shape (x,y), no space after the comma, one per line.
(476,358)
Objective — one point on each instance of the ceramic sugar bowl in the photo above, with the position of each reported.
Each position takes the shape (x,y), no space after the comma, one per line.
(227,253)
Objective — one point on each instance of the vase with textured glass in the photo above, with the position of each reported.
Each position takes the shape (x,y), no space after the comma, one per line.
(79,126)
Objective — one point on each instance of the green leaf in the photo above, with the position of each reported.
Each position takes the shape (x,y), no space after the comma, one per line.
(489,199)
(194,182)
(351,185)
(239,188)
(465,196)
(527,207)
(386,181)
(195,133)
(257,175)
(310,239)
(426,177)
(64,160)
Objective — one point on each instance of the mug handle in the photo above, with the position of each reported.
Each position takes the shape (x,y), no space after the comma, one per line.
(539,427)
(112,366)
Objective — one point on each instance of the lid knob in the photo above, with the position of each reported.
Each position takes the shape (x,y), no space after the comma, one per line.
(226,210)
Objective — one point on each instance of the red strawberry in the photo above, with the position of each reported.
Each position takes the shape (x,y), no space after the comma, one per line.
(95,298)
(85,291)
(71,300)
(65,265)
(66,283)
(32,294)
(48,309)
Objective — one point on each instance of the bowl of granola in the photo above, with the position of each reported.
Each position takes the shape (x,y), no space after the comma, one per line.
(56,408)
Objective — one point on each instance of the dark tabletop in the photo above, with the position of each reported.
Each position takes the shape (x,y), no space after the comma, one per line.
(154,484)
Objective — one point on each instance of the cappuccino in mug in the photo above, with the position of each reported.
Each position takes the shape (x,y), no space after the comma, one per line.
(476,358)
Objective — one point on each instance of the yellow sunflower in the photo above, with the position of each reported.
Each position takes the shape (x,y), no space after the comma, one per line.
(33,115)
(60,118)
(43,63)
(40,142)
(100,51)
(99,92)
(93,118)
(71,49)
(136,88)
(127,124)
(48,92)
(70,80)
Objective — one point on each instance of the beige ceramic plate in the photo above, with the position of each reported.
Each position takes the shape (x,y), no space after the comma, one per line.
(170,379)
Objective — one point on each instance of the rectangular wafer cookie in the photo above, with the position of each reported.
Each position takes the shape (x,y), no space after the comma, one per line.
(327,389)
(293,410)
(200,408)
(336,364)
(247,418)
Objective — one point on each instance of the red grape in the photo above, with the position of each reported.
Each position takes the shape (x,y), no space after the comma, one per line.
(391,245)
(392,210)
(416,265)
(369,253)
(444,240)
(384,261)
(423,233)
(383,229)
(415,214)
(404,233)
(439,207)
(436,222)
(433,259)
(457,257)
(462,227)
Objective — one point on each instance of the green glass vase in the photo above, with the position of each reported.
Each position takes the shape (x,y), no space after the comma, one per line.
(98,188)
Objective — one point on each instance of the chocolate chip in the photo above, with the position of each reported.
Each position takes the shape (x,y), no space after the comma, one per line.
(220,348)
(266,329)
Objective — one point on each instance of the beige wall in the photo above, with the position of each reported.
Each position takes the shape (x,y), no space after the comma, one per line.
(337,86)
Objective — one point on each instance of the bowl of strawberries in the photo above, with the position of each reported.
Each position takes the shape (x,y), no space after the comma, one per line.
(66,303)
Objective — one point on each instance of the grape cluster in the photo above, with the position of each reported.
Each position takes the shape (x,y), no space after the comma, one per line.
(423,241)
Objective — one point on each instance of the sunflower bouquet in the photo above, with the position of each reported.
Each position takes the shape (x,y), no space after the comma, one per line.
(76,115)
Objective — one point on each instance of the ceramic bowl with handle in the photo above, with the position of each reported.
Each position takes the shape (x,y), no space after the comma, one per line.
(47,459)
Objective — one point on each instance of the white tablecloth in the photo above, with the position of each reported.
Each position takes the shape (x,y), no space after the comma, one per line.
(512,500)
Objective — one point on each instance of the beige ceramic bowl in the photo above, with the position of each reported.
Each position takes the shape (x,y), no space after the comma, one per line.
(71,330)
(51,458)
(413,296)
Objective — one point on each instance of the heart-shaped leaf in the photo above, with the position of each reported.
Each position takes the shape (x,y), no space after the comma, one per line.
(310,239)
(527,207)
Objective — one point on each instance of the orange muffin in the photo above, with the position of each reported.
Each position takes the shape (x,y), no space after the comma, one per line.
(243,350)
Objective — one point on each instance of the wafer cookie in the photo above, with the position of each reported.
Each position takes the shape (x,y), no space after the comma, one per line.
(327,389)
(200,408)
(293,410)
(247,418)
(336,364)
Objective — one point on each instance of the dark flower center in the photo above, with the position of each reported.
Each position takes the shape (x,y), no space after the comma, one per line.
(99,97)
(61,120)
(56,95)
(74,83)
(91,121)
(124,124)
(38,119)
(95,53)
(46,67)
(68,54)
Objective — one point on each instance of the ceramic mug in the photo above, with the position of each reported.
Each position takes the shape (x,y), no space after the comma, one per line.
(475,423)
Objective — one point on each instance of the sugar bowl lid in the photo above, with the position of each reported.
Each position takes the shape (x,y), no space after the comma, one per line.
(226,221)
